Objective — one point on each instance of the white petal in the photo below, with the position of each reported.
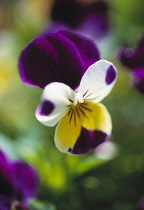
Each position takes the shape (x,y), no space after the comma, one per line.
(54,103)
(97,81)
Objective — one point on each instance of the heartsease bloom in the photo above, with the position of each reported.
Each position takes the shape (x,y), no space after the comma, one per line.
(84,123)
(89,18)
(66,65)
(134,60)
(18,183)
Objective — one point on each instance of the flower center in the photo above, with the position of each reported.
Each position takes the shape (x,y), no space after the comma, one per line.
(79,99)
(77,111)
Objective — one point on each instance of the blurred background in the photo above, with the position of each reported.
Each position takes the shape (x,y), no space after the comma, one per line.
(110,179)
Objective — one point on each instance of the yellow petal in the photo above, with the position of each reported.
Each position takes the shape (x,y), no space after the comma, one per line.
(97,117)
(91,116)
(68,131)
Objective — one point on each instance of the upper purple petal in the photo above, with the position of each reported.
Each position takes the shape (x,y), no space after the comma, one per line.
(133,58)
(138,79)
(86,47)
(26,181)
(88,140)
(62,57)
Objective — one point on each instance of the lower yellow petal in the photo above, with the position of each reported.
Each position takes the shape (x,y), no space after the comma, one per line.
(97,118)
(68,131)
(82,128)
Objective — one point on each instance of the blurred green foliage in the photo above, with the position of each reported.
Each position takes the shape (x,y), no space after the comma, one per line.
(73,182)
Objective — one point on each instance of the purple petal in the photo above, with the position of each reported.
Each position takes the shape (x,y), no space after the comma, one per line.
(133,58)
(26,181)
(138,79)
(100,8)
(6,179)
(69,12)
(86,47)
(90,18)
(88,140)
(61,57)
(96,20)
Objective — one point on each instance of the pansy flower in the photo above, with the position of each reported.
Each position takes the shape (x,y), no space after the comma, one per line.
(89,18)
(133,59)
(18,183)
(65,65)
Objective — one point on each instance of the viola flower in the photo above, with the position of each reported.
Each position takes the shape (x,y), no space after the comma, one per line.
(18,181)
(74,82)
(133,59)
(84,122)
(89,18)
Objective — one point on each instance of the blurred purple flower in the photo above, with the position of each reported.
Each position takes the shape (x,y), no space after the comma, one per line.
(57,57)
(18,183)
(89,18)
(133,59)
